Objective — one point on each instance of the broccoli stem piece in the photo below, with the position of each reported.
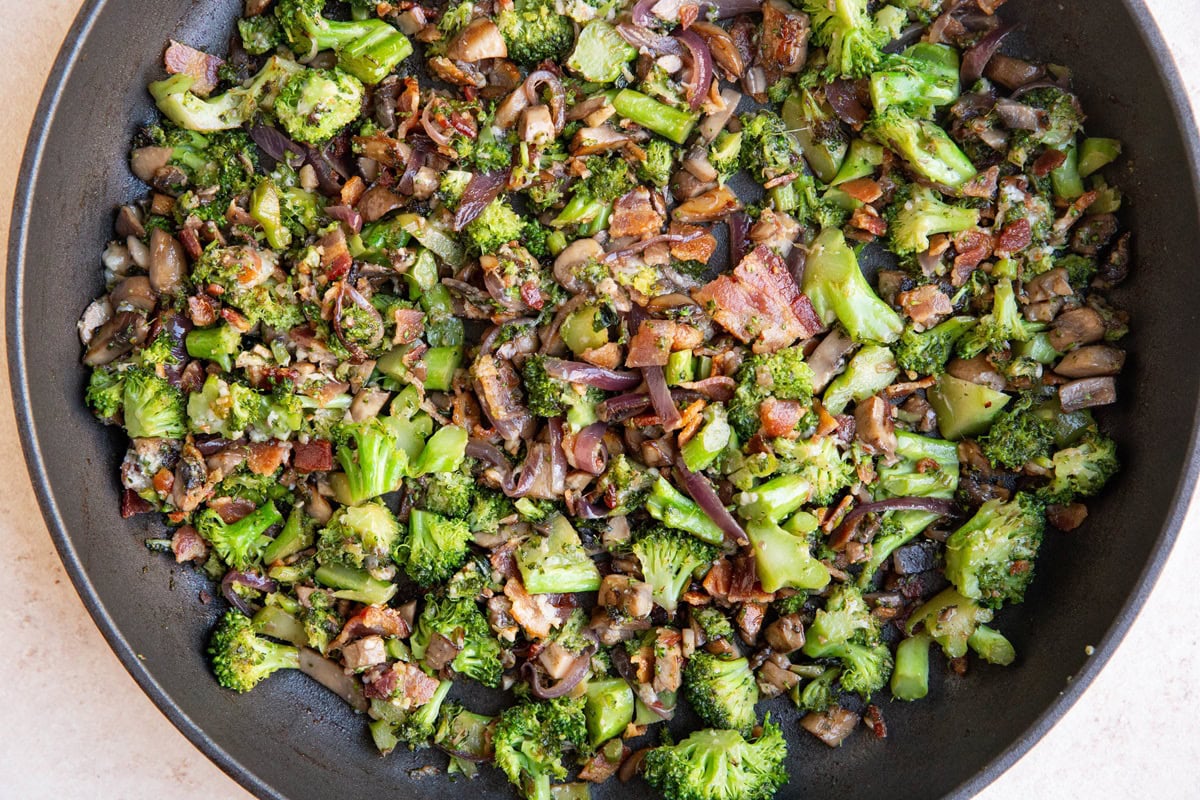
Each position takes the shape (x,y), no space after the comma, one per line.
(273,621)
(557,563)
(670,507)
(375,465)
(1096,153)
(919,80)
(295,536)
(440,365)
(929,150)
(818,131)
(443,452)
(369,49)
(659,117)
(707,444)
(232,109)
(872,370)
(910,680)
(265,209)
(783,559)
(991,645)
(240,544)
(774,499)
(838,290)
(219,343)
(355,584)
(608,709)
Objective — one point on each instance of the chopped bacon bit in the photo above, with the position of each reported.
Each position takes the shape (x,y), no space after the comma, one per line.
(187,545)
(867,219)
(700,248)
(353,190)
(131,504)
(185,60)
(873,719)
(263,458)
(1015,237)
(634,214)
(973,247)
(924,305)
(372,621)
(982,185)
(866,190)
(191,242)
(1048,161)
(780,417)
(651,345)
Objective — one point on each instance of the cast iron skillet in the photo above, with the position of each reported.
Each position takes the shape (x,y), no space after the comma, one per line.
(290,738)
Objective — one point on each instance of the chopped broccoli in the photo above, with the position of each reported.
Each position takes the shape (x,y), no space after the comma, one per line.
(221,163)
(768,150)
(153,407)
(1082,469)
(534,31)
(669,560)
(105,392)
(992,646)
(917,213)
(488,507)
(1019,435)
(990,558)
(725,153)
(670,507)
(321,620)
(819,461)
(226,111)
(600,53)
(607,179)
(784,559)
(241,659)
(714,624)
(624,485)
(497,225)
(434,548)
(851,39)
(1080,269)
(548,396)
(450,494)
(819,694)
(315,104)
(532,738)
(399,722)
(839,291)
(720,765)
(950,619)
(722,691)
(929,151)
(368,49)
(927,352)
(783,375)
(655,168)
(872,370)
(556,562)
(375,464)
(360,536)
(920,80)
(847,631)
(460,621)
(910,680)
(1000,326)
(241,543)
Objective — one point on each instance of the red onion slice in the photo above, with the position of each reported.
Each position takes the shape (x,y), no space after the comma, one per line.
(578,372)
(416,160)
(558,95)
(347,215)
(976,59)
(622,407)
(700,490)
(275,144)
(640,14)
(558,458)
(483,188)
(638,247)
(591,454)
(649,40)
(739,236)
(727,9)
(250,580)
(577,672)
(660,397)
(843,99)
(702,66)
(439,134)
(931,504)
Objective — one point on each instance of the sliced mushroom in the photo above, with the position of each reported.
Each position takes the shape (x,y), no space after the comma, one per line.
(116,337)
(1076,327)
(832,726)
(712,205)
(976,370)
(479,40)
(537,126)
(829,357)
(1091,361)
(1087,393)
(786,634)
(134,292)
(724,52)
(144,162)
(367,404)
(1048,286)
(168,264)
(577,254)
(377,202)
(129,222)
(588,141)
(874,427)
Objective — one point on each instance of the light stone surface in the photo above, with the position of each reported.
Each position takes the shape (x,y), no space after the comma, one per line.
(73,724)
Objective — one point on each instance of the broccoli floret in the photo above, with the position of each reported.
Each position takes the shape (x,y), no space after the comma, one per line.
(871,370)
(1063,119)
(450,494)
(821,462)
(105,392)
(222,112)
(260,35)
(672,508)
(608,177)
(556,562)
(227,409)
(460,621)
(916,214)
(768,150)
(851,39)
(783,375)
(434,548)
(655,168)
(1082,469)
(725,153)
(400,722)
(927,352)
(920,80)
(950,619)
(819,694)
(497,225)
(839,291)
(244,275)
(923,11)
(1019,435)
(488,507)
(548,396)
(241,543)
(722,691)
(1000,326)
(1080,269)
(720,765)
(463,731)
(714,624)
(534,31)
(534,239)
(245,485)
(846,630)
(321,620)
(241,659)
(360,536)
(153,407)
(927,149)
(222,163)
(784,559)
(532,738)
(374,464)
(315,104)
(368,49)
(990,558)
(472,580)
(669,560)
(624,485)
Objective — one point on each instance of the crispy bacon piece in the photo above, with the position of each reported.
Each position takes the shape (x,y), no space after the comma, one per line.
(780,417)
(372,621)
(187,545)
(263,458)
(180,59)
(925,305)
(783,46)
(634,214)
(316,455)
(973,247)
(1014,237)
(410,323)
(760,303)
(700,248)
(651,345)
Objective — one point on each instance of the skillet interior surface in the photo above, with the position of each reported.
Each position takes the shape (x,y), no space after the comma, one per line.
(290,738)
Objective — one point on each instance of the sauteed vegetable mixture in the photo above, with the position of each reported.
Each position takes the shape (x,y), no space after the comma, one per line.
(619,357)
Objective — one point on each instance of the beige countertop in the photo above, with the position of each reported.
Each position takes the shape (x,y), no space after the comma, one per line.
(75,725)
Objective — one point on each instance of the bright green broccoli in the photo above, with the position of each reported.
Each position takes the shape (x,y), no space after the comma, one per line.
(822,464)
(813,123)
(219,343)
(556,562)
(720,765)
(990,558)
(920,80)
(910,680)
(1019,435)
(655,168)
(241,659)
(450,494)
(372,460)
(725,153)
(1082,469)
(314,105)
(950,619)
(368,49)
(488,507)
(547,396)
(1000,326)
(239,544)
(360,536)
(321,620)
(992,646)
(232,109)
(463,731)
(722,691)
(460,621)
(917,213)
(624,485)
(768,150)
(839,291)
(927,352)
(398,722)
(872,370)
(851,39)
(105,392)
(434,548)
(221,163)
(669,560)
(675,510)
(712,622)
(784,559)
(531,739)
(153,407)
(534,31)
(497,225)
(927,149)
(607,179)
(846,630)
(819,694)
(783,375)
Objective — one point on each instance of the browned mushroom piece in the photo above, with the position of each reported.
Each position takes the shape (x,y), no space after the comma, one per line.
(1087,393)
(145,162)
(977,370)
(627,595)
(774,678)
(378,201)
(832,726)
(874,427)
(168,264)
(479,40)
(711,205)
(783,44)
(600,139)
(1091,361)
(786,634)
(1076,327)
(1048,286)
